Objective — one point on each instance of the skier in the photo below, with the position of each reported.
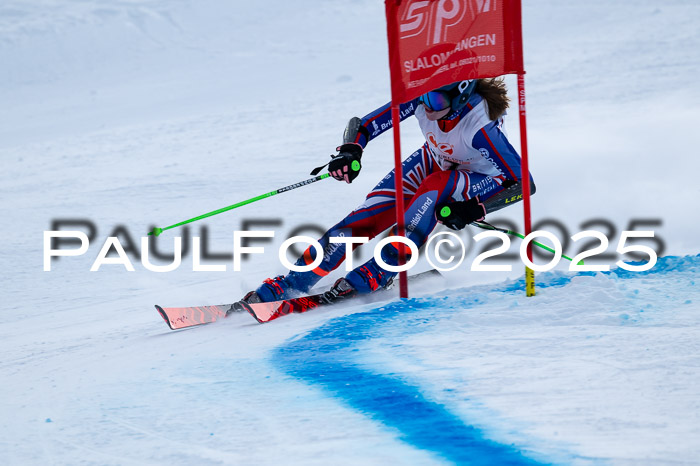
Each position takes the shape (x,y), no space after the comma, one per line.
(465,160)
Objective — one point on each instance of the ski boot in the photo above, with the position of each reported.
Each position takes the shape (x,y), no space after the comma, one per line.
(362,280)
(341,289)
(369,277)
(272,289)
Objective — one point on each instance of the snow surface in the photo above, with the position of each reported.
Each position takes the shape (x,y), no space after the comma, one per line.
(146,112)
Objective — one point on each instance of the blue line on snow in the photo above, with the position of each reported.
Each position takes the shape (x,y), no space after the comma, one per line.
(326,357)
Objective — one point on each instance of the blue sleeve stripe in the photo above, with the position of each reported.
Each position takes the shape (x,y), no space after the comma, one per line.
(496,151)
(379,121)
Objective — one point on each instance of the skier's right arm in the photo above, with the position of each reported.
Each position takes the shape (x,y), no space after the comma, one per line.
(379,121)
(345,166)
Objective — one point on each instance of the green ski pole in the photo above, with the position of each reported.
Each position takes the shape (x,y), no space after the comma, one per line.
(488,226)
(157,231)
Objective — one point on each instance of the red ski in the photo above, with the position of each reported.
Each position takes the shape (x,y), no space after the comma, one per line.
(265,312)
(182,317)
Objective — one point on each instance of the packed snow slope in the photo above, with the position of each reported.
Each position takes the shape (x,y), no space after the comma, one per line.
(124,115)
(599,368)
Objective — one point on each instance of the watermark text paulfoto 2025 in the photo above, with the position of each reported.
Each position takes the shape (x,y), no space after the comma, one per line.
(444,250)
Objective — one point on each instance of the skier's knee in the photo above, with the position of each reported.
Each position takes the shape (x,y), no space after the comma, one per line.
(436,181)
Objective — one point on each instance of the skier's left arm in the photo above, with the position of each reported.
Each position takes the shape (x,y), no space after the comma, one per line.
(493,145)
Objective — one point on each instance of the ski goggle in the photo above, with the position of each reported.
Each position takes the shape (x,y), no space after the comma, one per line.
(436,100)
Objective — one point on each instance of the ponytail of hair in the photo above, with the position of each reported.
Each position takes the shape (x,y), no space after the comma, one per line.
(495,94)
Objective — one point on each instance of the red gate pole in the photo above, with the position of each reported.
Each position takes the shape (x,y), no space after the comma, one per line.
(525,177)
(398,184)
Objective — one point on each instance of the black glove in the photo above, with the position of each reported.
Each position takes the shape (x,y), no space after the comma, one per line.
(458,214)
(346,165)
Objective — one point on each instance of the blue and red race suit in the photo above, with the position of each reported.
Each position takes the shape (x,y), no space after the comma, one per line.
(465,155)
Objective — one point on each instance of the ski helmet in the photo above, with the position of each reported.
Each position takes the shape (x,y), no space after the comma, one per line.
(453,95)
